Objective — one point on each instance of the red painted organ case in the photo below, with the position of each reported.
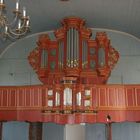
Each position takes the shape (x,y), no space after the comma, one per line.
(74,69)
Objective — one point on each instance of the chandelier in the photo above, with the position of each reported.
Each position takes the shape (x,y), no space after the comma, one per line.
(18,27)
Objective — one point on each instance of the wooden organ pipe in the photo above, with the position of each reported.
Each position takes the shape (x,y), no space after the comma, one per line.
(35,131)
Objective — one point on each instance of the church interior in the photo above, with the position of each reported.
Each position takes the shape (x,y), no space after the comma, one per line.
(69,70)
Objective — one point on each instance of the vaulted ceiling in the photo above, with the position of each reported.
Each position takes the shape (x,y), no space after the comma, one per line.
(121,15)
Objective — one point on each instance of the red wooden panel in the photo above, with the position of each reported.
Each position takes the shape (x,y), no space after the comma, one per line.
(137,95)
(21,97)
(27,97)
(45,97)
(36,97)
(121,100)
(1,97)
(12,98)
(130,96)
(5,97)
(102,97)
(94,97)
(112,97)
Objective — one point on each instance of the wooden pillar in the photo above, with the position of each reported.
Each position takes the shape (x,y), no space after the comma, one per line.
(109,131)
(1,123)
(35,131)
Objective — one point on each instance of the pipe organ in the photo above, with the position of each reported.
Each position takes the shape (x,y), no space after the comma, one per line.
(74,69)
(73,56)
(70,61)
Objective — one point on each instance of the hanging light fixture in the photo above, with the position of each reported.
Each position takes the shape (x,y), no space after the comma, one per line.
(18,27)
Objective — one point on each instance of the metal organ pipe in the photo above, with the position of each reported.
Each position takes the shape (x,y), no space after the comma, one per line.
(68,48)
(61,54)
(59,61)
(72,48)
(44,58)
(86,59)
(84,53)
(77,47)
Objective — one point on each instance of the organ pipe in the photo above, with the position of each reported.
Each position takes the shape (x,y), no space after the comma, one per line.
(61,54)
(44,59)
(77,47)
(72,48)
(84,54)
(68,48)
(70,88)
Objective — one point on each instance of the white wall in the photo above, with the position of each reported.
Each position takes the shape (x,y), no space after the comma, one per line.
(52,131)
(126,131)
(74,132)
(95,132)
(15,131)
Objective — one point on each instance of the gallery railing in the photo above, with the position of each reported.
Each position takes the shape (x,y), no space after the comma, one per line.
(76,104)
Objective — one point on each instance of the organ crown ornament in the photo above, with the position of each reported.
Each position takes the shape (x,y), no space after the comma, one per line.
(71,64)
